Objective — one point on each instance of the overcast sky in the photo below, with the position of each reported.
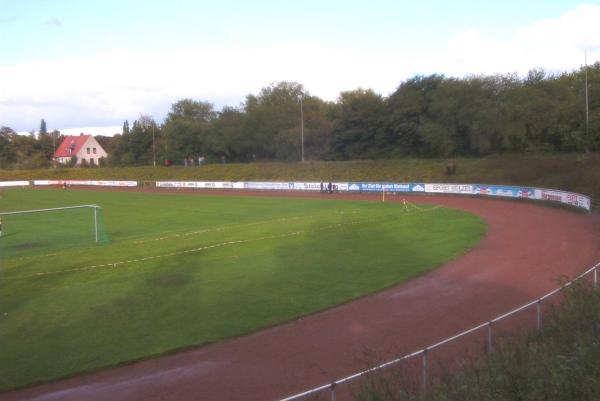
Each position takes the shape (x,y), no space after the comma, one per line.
(86,66)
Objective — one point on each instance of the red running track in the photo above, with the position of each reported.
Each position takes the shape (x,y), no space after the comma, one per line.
(528,246)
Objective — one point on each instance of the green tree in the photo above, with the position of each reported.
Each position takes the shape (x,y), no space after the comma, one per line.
(43,129)
(188,130)
(358,128)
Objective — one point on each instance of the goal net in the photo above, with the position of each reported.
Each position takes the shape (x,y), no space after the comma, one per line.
(31,232)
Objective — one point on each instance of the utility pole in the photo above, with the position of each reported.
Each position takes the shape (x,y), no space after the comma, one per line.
(153,146)
(53,148)
(587,109)
(302,125)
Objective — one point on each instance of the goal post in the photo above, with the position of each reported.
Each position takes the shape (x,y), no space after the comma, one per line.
(29,231)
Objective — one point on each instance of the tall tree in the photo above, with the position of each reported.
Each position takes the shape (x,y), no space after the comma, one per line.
(43,129)
(187,130)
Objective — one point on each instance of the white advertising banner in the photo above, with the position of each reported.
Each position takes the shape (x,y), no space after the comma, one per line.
(276,186)
(103,183)
(467,189)
(568,198)
(13,183)
(200,184)
(307,186)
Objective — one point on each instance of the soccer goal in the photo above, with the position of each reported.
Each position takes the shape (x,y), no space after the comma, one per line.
(44,230)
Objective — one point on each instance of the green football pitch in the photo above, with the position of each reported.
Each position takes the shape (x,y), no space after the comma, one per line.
(173,271)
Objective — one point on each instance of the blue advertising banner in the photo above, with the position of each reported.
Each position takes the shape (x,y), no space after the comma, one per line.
(417,187)
(379,187)
(504,190)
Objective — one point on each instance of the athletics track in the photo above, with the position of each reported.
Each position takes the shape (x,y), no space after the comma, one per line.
(527,248)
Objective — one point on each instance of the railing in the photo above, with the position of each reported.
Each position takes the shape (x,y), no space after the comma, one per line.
(425,352)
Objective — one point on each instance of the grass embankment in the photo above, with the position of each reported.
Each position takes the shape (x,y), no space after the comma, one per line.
(219,267)
(558,363)
(579,173)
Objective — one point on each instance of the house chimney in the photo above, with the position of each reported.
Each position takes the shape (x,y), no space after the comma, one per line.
(81,134)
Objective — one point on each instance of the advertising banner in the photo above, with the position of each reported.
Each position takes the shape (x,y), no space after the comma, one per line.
(13,183)
(341,186)
(307,186)
(506,191)
(273,186)
(87,182)
(509,191)
(379,187)
(568,198)
(417,187)
(466,189)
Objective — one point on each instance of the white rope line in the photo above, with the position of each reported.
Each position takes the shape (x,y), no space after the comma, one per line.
(203,248)
(126,240)
(409,207)
(208,230)
(354,212)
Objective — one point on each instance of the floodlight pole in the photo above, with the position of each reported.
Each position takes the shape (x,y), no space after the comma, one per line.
(153,147)
(302,125)
(53,148)
(587,110)
(96,222)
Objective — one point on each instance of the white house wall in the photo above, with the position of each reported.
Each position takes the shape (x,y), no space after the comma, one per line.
(90,145)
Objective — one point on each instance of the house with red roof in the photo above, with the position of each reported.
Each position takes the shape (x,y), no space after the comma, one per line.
(83,147)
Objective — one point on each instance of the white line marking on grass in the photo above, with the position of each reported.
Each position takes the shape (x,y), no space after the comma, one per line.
(208,230)
(203,248)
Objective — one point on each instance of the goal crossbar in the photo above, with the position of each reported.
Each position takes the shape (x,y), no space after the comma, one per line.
(48,210)
(95,207)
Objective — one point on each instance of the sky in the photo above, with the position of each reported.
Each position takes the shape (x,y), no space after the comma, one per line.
(87,66)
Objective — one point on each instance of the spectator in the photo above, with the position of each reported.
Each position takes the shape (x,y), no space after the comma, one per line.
(450,168)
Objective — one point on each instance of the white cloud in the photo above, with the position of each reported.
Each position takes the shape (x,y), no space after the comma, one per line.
(105,131)
(553,44)
(107,89)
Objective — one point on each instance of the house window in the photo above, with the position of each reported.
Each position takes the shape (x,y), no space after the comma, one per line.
(94,150)
(88,151)
(91,160)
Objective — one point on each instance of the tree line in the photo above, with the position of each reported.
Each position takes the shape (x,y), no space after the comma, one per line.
(426,116)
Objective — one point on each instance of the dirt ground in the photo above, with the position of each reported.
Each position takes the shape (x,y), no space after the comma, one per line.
(527,248)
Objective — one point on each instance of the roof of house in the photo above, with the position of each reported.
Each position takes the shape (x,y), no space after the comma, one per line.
(74,142)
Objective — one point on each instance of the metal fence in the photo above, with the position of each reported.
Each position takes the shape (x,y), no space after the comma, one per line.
(425,353)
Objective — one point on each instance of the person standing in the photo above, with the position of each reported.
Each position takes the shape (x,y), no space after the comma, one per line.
(0,226)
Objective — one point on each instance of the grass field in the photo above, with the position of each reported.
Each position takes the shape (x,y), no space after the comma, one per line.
(182,270)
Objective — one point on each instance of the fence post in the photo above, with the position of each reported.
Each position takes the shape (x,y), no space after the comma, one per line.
(424,370)
(333,391)
(539,314)
(490,336)
(596,277)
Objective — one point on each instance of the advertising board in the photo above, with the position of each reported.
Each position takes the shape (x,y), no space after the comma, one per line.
(110,183)
(568,198)
(379,187)
(306,186)
(417,187)
(266,185)
(505,191)
(14,183)
(442,188)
